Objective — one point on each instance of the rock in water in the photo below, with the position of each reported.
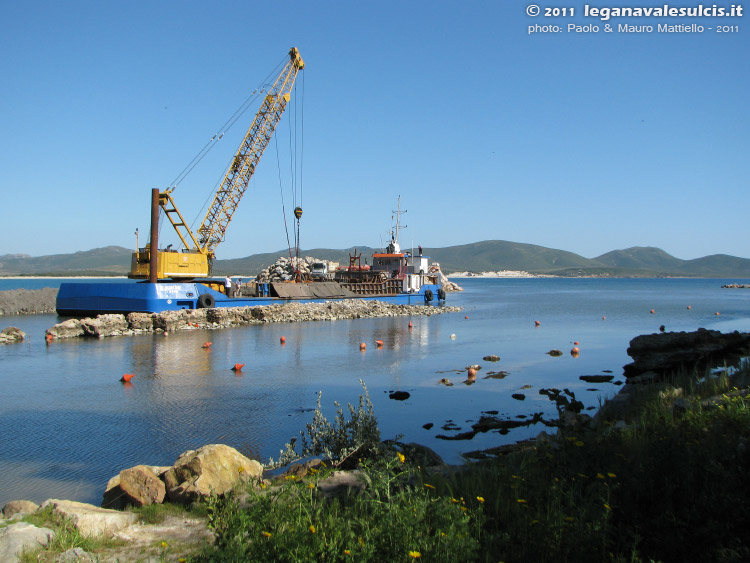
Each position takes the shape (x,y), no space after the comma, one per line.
(11,334)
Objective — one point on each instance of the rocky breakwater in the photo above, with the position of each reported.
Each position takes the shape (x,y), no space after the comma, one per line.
(448,285)
(212,319)
(656,355)
(27,301)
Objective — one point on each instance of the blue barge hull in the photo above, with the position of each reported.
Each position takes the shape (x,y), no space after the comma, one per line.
(87,299)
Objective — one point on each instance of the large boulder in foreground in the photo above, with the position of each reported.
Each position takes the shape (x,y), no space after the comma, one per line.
(212,469)
(137,486)
(20,537)
(670,351)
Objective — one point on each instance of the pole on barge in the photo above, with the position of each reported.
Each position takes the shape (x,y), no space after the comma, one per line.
(154,254)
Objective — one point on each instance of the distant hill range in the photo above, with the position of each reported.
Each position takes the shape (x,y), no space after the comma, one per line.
(489,255)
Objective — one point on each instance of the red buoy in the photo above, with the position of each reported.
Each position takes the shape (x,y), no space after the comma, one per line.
(379,343)
(127,377)
(575,351)
(575,343)
(48,338)
(466,317)
(238,367)
(410,325)
(362,346)
(282,339)
(537,323)
(689,307)
(652,311)
(206,345)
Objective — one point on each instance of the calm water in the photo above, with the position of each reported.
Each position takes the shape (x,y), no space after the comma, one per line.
(67,424)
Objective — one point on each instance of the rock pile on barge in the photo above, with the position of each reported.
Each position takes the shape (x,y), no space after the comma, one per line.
(193,319)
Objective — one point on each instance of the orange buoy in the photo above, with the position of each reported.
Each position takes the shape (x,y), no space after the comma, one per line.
(537,323)
(282,339)
(166,333)
(410,325)
(575,343)
(48,337)
(379,343)
(604,318)
(472,373)
(689,307)
(575,351)
(206,345)
(652,311)
(717,313)
(238,367)
(466,317)
(362,346)
(127,377)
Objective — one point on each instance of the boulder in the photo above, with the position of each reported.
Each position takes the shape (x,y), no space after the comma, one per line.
(20,537)
(21,507)
(11,334)
(141,321)
(67,329)
(104,325)
(90,520)
(343,484)
(76,555)
(137,486)
(212,469)
(171,320)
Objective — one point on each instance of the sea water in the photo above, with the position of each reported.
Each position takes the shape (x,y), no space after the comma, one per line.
(67,424)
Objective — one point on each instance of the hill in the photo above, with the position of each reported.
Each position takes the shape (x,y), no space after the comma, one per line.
(489,255)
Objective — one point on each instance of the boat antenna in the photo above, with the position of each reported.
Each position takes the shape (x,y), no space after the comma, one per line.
(399,226)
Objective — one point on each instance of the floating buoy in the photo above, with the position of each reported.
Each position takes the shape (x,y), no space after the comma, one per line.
(453,336)
(717,313)
(652,311)
(206,345)
(127,377)
(379,343)
(48,338)
(238,367)
(466,317)
(575,343)
(362,346)
(282,339)
(604,318)
(575,351)
(166,333)
(410,325)
(689,307)
(472,373)
(537,323)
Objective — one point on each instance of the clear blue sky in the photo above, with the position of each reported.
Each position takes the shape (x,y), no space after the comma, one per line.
(586,142)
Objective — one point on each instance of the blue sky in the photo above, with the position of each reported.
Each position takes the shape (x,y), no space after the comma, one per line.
(586,142)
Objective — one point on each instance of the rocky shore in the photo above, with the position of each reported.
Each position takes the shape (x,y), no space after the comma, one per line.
(27,301)
(212,319)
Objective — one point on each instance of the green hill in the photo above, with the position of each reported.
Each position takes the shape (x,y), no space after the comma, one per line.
(489,255)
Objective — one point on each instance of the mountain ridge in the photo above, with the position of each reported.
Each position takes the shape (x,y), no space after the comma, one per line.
(488,255)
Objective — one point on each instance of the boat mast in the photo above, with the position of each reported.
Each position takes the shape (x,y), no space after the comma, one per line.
(395,248)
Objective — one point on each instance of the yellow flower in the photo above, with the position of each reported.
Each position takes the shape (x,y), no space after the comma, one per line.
(611,475)
(311,485)
(290,477)
(240,469)
(164,545)
(312,470)
(429,486)
(182,560)
(312,529)
(323,464)
(401,457)
(347,552)
(267,534)
(599,476)
(361,541)
(415,554)
(480,499)
(521,501)
(454,501)
(607,506)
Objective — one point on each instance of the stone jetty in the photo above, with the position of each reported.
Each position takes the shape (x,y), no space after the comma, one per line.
(27,301)
(212,319)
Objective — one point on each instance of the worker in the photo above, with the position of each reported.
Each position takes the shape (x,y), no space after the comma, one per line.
(420,250)
(228,286)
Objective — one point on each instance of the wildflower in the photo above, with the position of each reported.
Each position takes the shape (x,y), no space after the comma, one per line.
(464,508)
(401,457)
(361,541)
(607,506)
(599,476)
(311,528)
(582,475)
(312,470)
(611,475)
(240,469)
(515,476)
(347,552)
(480,499)
(164,545)
(521,501)
(415,554)
(290,477)
(429,486)
(182,560)
(311,485)
(578,443)
(323,464)
(454,500)
(267,534)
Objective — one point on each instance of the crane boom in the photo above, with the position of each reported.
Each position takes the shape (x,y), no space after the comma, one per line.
(196,257)
(233,187)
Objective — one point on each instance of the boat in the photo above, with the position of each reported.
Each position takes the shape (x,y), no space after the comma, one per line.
(175,279)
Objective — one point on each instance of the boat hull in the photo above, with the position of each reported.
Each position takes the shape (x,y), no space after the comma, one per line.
(87,299)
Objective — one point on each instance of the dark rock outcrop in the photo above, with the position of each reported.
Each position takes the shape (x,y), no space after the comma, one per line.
(671,351)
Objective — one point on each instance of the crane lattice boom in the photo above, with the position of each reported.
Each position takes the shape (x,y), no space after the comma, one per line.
(214,226)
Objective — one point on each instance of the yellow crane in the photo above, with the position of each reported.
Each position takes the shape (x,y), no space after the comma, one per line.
(195,258)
